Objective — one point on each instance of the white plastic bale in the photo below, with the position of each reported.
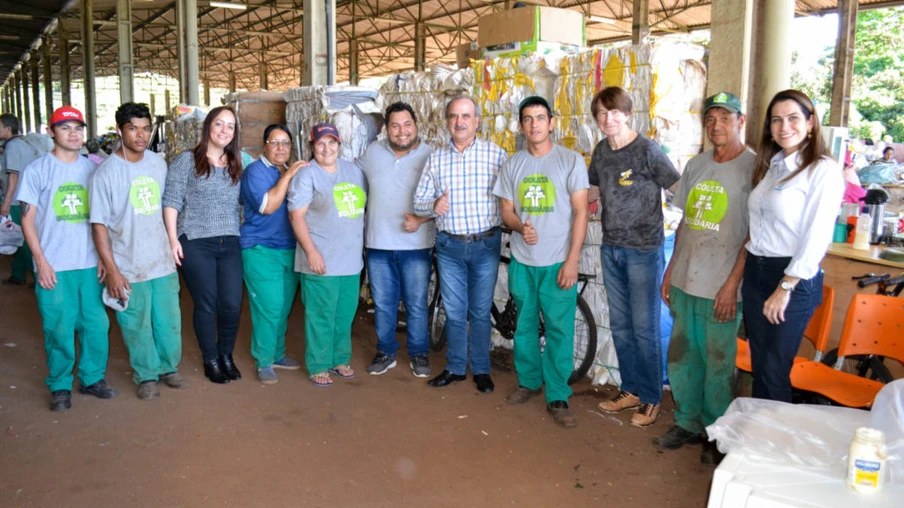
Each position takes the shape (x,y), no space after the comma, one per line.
(310,105)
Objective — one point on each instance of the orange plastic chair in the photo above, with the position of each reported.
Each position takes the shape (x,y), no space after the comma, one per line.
(874,325)
(817,332)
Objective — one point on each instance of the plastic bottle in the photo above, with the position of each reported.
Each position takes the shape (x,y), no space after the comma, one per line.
(866,461)
(861,234)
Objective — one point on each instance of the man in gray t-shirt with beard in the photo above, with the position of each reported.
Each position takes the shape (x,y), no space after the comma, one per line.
(702,282)
(127,223)
(542,194)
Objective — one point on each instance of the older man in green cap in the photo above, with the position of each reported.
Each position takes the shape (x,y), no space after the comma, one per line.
(702,282)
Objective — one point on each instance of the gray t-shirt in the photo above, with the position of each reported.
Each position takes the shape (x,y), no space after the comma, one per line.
(126,198)
(714,198)
(335,215)
(631,180)
(207,206)
(59,191)
(541,188)
(17,154)
(391,182)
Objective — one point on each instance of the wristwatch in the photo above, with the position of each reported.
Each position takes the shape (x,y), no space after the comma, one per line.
(786,286)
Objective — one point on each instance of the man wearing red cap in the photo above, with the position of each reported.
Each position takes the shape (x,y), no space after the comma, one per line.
(53,192)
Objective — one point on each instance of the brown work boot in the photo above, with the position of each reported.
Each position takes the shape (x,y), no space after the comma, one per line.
(521,395)
(646,415)
(561,414)
(174,380)
(621,402)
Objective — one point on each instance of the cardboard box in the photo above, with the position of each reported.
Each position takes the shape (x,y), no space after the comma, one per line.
(513,49)
(464,53)
(529,25)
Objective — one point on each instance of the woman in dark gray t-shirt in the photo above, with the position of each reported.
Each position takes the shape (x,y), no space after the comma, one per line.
(201,214)
(631,172)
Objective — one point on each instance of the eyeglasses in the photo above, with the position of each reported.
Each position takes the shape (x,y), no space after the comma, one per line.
(279,142)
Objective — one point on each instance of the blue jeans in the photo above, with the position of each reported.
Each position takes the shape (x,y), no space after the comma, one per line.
(467,278)
(212,269)
(773,347)
(395,273)
(631,278)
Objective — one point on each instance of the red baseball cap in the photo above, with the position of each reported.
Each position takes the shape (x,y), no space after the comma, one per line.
(324,129)
(66,114)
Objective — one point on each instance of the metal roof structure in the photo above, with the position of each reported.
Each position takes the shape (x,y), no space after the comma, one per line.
(237,40)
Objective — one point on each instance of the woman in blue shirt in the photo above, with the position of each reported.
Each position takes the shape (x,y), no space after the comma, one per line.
(268,252)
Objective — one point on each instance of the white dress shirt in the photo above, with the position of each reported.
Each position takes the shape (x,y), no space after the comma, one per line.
(795,218)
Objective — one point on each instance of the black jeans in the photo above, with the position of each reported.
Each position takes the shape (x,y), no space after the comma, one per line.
(212,269)
(773,347)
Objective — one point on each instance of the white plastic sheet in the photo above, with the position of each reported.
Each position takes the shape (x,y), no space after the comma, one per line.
(11,237)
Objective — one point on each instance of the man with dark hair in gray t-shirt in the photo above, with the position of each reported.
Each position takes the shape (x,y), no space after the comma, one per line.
(542,194)
(702,282)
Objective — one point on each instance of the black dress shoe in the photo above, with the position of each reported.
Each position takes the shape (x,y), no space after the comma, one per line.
(446,378)
(232,372)
(484,383)
(214,372)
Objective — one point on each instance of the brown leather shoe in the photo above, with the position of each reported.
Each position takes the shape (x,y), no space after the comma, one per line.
(561,414)
(646,415)
(521,395)
(621,402)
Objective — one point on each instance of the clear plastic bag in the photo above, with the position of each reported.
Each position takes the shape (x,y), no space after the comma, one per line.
(11,237)
(888,416)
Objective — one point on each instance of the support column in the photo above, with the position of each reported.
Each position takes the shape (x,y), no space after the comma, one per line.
(65,82)
(262,73)
(730,50)
(126,65)
(774,72)
(319,38)
(353,62)
(207,91)
(48,77)
(844,63)
(166,101)
(36,90)
(231,81)
(420,47)
(18,96)
(180,51)
(191,51)
(26,108)
(640,27)
(153,105)
(88,68)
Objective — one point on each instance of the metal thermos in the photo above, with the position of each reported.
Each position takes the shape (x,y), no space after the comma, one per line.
(875,200)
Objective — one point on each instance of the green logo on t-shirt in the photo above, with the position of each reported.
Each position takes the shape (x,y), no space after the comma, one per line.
(349,200)
(70,203)
(537,194)
(706,206)
(145,195)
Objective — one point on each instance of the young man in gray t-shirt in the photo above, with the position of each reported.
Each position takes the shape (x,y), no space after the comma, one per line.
(53,193)
(127,222)
(702,282)
(542,194)
(17,153)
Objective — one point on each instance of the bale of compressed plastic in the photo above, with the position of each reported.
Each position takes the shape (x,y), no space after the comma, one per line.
(184,130)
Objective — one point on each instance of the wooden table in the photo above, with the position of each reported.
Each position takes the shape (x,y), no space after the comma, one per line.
(845,250)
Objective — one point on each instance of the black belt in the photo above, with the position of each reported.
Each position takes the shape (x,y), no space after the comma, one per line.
(473,237)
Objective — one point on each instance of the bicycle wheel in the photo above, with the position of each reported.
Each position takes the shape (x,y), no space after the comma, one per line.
(584,341)
(436,323)
(866,366)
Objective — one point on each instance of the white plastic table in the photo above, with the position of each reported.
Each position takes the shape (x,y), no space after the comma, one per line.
(742,481)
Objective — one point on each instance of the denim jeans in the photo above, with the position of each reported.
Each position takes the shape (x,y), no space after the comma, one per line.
(212,269)
(631,278)
(773,347)
(395,273)
(467,278)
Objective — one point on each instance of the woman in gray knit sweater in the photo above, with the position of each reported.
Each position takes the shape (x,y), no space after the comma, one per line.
(201,214)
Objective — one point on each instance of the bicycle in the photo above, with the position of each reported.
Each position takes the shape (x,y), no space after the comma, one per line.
(505,321)
(868,366)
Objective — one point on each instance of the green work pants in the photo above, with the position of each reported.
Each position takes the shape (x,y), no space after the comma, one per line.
(272,282)
(73,306)
(330,303)
(152,328)
(535,289)
(701,360)
(22,262)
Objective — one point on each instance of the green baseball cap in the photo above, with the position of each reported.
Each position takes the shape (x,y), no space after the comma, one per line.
(726,100)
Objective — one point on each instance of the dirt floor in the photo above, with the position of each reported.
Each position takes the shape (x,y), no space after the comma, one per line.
(369,442)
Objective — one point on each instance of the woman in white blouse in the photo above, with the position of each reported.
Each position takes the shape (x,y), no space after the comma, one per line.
(797,189)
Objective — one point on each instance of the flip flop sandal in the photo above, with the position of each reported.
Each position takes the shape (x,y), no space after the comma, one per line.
(322,380)
(343,371)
